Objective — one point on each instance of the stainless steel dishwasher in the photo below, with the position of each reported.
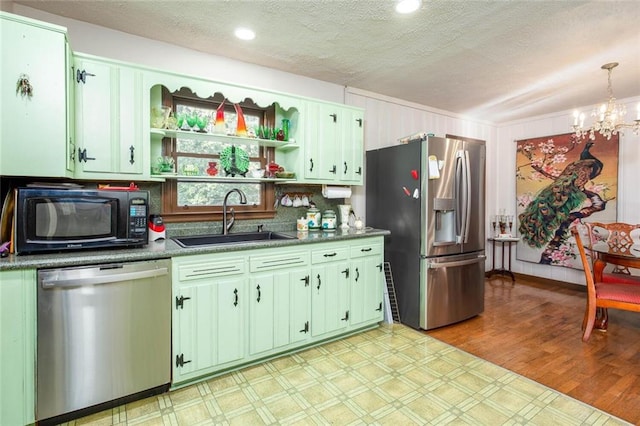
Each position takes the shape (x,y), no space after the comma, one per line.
(104,333)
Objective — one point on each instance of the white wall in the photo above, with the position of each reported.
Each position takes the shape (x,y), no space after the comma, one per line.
(386,119)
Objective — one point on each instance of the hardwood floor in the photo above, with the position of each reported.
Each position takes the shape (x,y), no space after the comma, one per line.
(534,329)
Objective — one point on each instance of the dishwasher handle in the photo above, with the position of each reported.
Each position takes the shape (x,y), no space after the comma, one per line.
(103,279)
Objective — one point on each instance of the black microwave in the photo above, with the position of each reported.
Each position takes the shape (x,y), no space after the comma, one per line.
(49,220)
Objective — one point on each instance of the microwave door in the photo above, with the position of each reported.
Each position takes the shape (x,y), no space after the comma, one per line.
(47,223)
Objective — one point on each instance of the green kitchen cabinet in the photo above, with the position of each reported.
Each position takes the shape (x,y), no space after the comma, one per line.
(262,312)
(34,111)
(351,166)
(329,289)
(333,145)
(109,119)
(367,282)
(17,346)
(236,308)
(210,304)
(278,299)
(299,305)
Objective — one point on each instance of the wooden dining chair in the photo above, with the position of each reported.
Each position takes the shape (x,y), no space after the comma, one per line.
(622,293)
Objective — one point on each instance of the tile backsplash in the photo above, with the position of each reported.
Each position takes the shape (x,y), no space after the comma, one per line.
(284,220)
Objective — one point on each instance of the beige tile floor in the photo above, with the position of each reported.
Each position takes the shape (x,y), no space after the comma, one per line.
(390,375)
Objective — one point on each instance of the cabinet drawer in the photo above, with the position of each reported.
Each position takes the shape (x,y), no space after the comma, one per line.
(278,261)
(329,255)
(370,249)
(221,268)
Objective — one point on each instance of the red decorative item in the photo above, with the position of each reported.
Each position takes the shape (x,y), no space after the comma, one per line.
(219,124)
(212,170)
(241,130)
(272,168)
(414,174)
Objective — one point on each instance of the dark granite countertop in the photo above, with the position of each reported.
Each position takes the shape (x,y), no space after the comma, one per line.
(168,248)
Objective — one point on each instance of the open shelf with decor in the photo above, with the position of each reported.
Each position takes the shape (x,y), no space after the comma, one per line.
(196,135)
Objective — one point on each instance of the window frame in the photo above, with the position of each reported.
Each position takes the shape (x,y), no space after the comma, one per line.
(171,211)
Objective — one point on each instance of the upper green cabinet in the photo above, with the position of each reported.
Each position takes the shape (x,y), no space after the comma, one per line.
(333,145)
(109,119)
(35,137)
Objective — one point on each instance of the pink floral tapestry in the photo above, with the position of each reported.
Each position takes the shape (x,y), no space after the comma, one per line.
(562,180)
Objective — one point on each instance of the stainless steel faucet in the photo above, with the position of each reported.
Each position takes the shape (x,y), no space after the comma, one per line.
(243,200)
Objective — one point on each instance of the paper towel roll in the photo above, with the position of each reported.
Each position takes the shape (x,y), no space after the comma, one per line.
(336,191)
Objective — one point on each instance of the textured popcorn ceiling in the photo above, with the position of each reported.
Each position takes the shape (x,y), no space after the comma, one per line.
(493,60)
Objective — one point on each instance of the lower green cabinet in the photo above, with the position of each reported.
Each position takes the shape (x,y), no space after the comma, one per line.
(278,305)
(210,300)
(236,308)
(17,346)
(299,306)
(367,282)
(329,289)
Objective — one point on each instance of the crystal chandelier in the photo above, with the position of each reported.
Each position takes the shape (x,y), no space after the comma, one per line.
(608,118)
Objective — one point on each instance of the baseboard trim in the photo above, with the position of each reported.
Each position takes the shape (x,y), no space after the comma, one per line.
(545,281)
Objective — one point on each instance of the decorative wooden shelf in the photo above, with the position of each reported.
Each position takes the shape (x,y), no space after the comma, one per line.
(225,179)
(186,134)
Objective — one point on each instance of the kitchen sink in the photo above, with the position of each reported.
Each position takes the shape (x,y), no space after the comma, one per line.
(240,237)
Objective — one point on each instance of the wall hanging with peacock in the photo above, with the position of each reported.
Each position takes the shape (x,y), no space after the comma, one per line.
(560,180)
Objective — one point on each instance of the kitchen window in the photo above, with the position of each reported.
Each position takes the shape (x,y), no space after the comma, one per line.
(198,199)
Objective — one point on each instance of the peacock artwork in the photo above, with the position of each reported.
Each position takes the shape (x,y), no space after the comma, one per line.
(562,180)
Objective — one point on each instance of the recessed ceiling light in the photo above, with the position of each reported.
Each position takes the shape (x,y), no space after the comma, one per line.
(244,33)
(408,6)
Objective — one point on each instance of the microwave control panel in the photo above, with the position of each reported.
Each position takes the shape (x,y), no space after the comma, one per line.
(138,218)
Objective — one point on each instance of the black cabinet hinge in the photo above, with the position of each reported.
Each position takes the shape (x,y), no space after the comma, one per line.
(180,362)
(180,302)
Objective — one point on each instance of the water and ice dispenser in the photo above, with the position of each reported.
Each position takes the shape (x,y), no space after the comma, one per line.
(445,218)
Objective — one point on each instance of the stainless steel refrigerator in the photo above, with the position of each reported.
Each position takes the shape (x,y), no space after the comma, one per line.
(429,193)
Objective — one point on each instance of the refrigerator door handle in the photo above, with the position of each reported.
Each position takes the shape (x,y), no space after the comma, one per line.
(466,197)
(463,198)
(435,265)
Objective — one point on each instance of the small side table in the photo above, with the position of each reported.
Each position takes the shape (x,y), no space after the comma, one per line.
(502,270)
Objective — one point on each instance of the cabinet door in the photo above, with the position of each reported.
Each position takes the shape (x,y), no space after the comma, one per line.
(33,132)
(352,147)
(321,144)
(108,118)
(209,313)
(366,290)
(208,327)
(329,298)
(261,313)
(231,308)
(279,309)
(17,347)
(194,331)
(299,305)
(367,283)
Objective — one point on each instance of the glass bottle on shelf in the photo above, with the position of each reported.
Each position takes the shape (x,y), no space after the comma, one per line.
(212,170)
